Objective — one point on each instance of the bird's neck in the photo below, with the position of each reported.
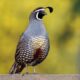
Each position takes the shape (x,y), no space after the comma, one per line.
(36,27)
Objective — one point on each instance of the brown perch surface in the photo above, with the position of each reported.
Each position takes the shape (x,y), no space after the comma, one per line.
(40,77)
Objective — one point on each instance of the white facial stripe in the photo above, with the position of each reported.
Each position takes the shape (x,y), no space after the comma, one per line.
(39,10)
(37,16)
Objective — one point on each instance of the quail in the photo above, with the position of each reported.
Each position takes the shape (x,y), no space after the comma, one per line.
(33,45)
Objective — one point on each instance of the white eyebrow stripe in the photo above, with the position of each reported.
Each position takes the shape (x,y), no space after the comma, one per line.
(39,10)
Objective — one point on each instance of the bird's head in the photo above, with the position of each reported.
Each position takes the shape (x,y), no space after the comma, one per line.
(40,12)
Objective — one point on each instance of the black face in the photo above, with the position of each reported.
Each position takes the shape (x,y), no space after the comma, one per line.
(40,14)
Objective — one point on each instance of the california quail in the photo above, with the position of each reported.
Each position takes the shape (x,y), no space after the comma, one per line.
(33,45)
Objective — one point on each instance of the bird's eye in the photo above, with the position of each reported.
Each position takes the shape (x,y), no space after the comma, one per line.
(38,16)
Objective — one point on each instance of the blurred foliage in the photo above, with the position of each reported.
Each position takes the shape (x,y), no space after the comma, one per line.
(63,27)
(76,6)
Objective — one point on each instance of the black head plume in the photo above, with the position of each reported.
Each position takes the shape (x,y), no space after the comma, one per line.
(50,9)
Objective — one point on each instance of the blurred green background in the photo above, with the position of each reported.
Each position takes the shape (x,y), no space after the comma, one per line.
(63,27)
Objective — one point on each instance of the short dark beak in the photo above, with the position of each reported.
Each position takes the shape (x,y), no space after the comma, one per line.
(44,13)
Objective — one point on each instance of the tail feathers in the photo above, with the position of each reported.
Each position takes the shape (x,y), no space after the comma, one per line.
(16,68)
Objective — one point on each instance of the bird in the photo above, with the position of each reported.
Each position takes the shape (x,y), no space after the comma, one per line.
(33,46)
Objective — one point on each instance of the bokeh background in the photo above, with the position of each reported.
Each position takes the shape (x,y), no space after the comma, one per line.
(63,27)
